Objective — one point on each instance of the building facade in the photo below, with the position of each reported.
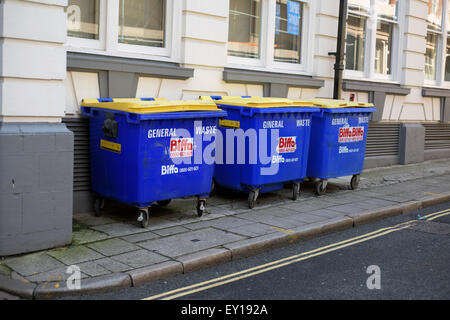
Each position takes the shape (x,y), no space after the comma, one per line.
(55,53)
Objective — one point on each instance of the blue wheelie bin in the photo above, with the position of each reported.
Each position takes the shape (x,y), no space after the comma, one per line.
(338,141)
(142,151)
(265,144)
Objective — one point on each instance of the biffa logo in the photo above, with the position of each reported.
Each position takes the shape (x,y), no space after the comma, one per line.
(287,145)
(351,134)
(181,147)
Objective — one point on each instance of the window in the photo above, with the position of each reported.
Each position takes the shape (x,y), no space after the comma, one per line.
(270,35)
(244,28)
(447,55)
(141,22)
(360,7)
(447,61)
(383,48)
(133,28)
(431,56)
(355,43)
(386,20)
(83,19)
(434,34)
(435,15)
(371,30)
(288,30)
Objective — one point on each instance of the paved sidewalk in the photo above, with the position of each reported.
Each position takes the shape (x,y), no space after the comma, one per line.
(112,251)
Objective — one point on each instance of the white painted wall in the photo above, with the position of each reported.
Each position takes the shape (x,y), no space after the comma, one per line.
(33,60)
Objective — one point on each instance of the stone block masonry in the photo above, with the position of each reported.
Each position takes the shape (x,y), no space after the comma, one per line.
(36,194)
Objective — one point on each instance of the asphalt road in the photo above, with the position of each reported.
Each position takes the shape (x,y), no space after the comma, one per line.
(399,258)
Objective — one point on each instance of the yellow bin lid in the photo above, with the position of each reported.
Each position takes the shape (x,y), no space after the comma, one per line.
(158,105)
(258,102)
(335,103)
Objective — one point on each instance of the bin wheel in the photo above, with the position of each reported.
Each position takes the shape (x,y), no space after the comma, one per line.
(354,183)
(201,207)
(99,204)
(320,187)
(252,196)
(143,218)
(163,203)
(295,191)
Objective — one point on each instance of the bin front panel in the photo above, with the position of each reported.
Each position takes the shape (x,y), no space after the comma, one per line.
(151,160)
(338,143)
(259,170)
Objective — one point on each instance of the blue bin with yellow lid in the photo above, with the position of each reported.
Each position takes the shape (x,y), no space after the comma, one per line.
(150,150)
(338,141)
(265,144)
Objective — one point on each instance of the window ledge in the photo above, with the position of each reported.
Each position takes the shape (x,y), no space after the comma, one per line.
(375,86)
(435,92)
(168,70)
(233,75)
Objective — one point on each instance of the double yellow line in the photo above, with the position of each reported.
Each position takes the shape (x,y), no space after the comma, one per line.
(205,285)
(436,215)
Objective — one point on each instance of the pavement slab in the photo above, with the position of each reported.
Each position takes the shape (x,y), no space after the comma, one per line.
(143,236)
(374,203)
(306,206)
(113,251)
(326,213)
(87,235)
(259,214)
(284,222)
(171,231)
(93,269)
(394,198)
(189,242)
(139,258)
(306,218)
(74,255)
(221,223)
(119,229)
(59,274)
(253,229)
(31,264)
(112,265)
(172,222)
(219,209)
(112,247)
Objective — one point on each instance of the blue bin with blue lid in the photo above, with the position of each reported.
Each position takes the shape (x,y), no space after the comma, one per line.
(149,150)
(338,141)
(265,144)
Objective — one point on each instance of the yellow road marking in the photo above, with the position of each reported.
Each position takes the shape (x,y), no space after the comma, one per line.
(270,263)
(205,285)
(435,213)
(438,216)
(284,261)
(279,266)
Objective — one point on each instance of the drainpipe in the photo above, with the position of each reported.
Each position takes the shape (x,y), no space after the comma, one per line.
(340,50)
